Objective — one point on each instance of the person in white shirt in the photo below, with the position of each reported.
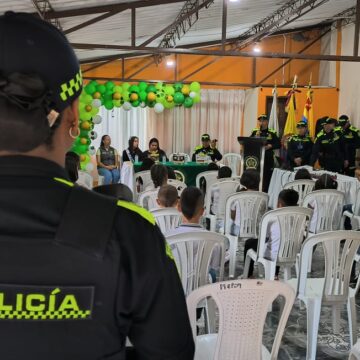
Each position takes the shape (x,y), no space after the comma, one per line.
(287,197)
(191,205)
(167,197)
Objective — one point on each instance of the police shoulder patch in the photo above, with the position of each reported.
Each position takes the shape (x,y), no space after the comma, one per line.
(137,209)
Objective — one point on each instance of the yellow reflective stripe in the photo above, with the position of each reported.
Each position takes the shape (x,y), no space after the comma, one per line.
(139,210)
(64,181)
(168,251)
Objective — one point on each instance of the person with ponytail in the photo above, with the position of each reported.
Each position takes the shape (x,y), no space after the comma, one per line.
(132,153)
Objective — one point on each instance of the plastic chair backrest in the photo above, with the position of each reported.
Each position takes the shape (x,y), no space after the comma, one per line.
(357,203)
(293,223)
(85,180)
(147,199)
(226,188)
(329,207)
(180,186)
(209,176)
(145,177)
(243,306)
(340,248)
(187,156)
(167,218)
(252,206)
(192,252)
(303,187)
(233,161)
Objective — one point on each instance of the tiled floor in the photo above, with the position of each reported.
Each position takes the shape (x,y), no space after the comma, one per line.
(293,345)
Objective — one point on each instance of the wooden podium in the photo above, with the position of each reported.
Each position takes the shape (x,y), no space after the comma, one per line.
(252,152)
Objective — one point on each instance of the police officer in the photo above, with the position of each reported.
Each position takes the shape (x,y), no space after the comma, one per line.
(329,148)
(272,143)
(300,146)
(352,142)
(207,148)
(320,124)
(79,272)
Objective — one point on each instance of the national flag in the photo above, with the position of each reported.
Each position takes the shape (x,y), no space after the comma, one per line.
(273,120)
(290,125)
(308,115)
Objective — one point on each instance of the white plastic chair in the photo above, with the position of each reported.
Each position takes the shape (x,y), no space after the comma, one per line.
(252,206)
(167,218)
(355,215)
(180,176)
(233,161)
(187,156)
(180,186)
(293,223)
(85,180)
(192,252)
(302,187)
(333,289)
(146,179)
(225,188)
(355,351)
(147,199)
(210,177)
(243,306)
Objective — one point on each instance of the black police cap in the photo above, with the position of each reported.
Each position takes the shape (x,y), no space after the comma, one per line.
(301,124)
(330,120)
(263,117)
(343,119)
(30,45)
(205,137)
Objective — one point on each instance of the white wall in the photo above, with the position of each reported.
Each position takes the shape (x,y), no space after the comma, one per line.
(327,72)
(349,99)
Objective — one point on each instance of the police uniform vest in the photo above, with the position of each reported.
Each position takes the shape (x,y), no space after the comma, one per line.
(107,157)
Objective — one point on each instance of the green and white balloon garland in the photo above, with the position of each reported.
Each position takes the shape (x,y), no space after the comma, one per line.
(159,96)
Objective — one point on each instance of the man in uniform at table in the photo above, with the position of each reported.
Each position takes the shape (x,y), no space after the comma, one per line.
(329,148)
(208,148)
(272,143)
(300,146)
(352,142)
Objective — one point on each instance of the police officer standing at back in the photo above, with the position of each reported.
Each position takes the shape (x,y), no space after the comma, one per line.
(207,148)
(352,142)
(79,272)
(300,146)
(329,148)
(272,143)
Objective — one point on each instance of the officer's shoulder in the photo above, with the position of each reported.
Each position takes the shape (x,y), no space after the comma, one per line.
(198,147)
(271,131)
(353,128)
(137,211)
(320,134)
(255,129)
(292,137)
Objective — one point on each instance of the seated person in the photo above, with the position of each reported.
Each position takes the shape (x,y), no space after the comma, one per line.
(108,161)
(167,197)
(250,181)
(132,153)
(118,191)
(171,173)
(287,197)
(303,174)
(324,182)
(191,205)
(155,152)
(159,176)
(208,148)
(211,167)
(72,165)
(224,172)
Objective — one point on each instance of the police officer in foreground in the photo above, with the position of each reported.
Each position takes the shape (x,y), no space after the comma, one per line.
(329,148)
(207,148)
(352,142)
(300,146)
(272,143)
(79,272)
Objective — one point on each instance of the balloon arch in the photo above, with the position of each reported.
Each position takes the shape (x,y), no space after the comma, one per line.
(159,96)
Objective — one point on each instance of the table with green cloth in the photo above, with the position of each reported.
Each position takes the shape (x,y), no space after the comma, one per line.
(189,169)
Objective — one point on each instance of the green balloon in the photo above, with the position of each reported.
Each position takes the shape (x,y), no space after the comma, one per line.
(94,111)
(90,89)
(108,96)
(169,90)
(94,82)
(118,89)
(109,105)
(101,89)
(82,149)
(125,86)
(143,95)
(151,88)
(195,86)
(160,95)
(179,98)
(83,133)
(85,116)
(178,86)
(135,103)
(87,99)
(167,105)
(134,89)
(142,86)
(151,104)
(117,103)
(197,99)
(109,85)
(126,96)
(159,86)
(188,103)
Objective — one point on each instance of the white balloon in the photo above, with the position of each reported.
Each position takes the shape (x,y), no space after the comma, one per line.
(142,104)
(192,94)
(97,119)
(92,150)
(127,106)
(96,103)
(89,167)
(159,108)
(93,135)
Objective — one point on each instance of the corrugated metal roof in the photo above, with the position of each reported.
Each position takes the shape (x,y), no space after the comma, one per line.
(150,20)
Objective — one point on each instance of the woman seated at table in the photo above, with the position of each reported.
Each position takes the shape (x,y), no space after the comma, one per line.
(108,161)
(132,153)
(154,151)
